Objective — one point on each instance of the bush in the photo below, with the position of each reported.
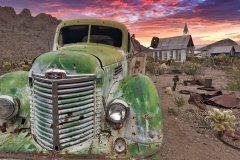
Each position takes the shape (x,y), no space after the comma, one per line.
(176,67)
(192,68)
(234,77)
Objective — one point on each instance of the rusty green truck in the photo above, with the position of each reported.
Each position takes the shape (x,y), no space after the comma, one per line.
(86,99)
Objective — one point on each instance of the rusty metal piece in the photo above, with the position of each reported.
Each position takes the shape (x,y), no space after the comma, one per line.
(208,88)
(192,82)
(226,100)
(138,63)
(208,83)
(200,82)
(185,92)
(196,100)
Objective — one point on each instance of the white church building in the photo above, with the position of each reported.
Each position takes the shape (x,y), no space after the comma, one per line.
(177,48)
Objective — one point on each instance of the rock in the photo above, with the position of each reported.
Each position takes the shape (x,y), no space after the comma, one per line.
(168,90)
(184,74)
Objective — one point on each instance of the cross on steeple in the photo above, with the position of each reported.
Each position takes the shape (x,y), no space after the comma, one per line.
(185,30)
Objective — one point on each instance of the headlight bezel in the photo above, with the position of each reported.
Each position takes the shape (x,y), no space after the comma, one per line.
(122,104)
(14,106)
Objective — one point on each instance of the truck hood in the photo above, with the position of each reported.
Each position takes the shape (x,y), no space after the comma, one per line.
(106,54)
(72,62)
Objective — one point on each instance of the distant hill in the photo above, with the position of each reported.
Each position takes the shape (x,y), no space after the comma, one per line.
(22,34)
(224,42)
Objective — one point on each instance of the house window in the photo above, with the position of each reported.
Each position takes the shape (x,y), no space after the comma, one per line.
(160,55)
(155,55)
(178,55)
(165,55)
(171,54)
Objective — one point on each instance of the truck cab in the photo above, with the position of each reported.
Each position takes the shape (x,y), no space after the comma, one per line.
(88,98)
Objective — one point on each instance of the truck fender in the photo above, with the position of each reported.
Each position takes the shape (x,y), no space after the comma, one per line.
(144,123)
(15,84)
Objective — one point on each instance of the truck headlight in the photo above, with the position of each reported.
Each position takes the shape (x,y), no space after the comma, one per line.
(118,111)
(8,107)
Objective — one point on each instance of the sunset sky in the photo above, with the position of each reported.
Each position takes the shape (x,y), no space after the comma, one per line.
(208,20)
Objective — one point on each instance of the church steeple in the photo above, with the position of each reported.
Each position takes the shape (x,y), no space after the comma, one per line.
(185,30)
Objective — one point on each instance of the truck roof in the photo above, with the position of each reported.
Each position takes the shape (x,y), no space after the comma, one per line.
(102,22)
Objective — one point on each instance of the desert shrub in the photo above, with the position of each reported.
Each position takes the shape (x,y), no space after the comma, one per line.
(172,111)
(7,64)
(176,67)
(234,77)
(192,68)
(179,102)
(207,61)
(222,60)
(151,66)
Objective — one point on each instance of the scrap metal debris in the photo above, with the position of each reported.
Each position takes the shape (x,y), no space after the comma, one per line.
(226,100)
(199,82)
(196,100)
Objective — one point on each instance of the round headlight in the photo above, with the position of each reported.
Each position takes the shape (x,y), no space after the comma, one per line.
(117,111)
(120,145)
(8,107)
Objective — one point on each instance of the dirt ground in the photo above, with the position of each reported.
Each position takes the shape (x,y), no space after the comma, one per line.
(186,136)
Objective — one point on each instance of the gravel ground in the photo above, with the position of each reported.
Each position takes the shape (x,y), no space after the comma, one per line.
(186,135)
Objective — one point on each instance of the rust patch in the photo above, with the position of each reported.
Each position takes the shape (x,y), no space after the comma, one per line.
(69,114)
(16,130)
(90,148)
(66,119)
(3,128)
(81,117)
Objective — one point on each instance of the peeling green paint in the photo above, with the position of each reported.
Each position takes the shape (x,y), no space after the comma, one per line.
(73,62)
(139,91)
(142,131)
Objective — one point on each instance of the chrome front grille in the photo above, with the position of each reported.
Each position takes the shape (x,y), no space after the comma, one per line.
(66,112)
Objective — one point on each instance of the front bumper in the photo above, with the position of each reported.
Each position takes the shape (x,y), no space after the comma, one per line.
(23,146)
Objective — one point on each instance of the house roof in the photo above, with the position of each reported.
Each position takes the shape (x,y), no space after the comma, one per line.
(221,49)
(179,42)
(237,48)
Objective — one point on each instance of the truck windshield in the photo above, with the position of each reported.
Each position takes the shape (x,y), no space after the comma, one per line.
(98,34)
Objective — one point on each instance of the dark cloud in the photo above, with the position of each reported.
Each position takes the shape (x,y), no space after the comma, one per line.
(145,18)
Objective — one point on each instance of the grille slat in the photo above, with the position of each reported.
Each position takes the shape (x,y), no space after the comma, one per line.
(44,143)
(44,111)
(71,124)
(43,119)
(79,135)
(41,94)
(77,107)
(78,113)
(44,90)
(73,129)
(74,85)
(46,85)
(44,134)
(76,141)
(81,129)
(76,89)
(73,95)
(78,99)
(65,111)
(43,104)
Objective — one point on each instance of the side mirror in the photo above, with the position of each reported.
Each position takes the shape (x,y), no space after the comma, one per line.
(155,41)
